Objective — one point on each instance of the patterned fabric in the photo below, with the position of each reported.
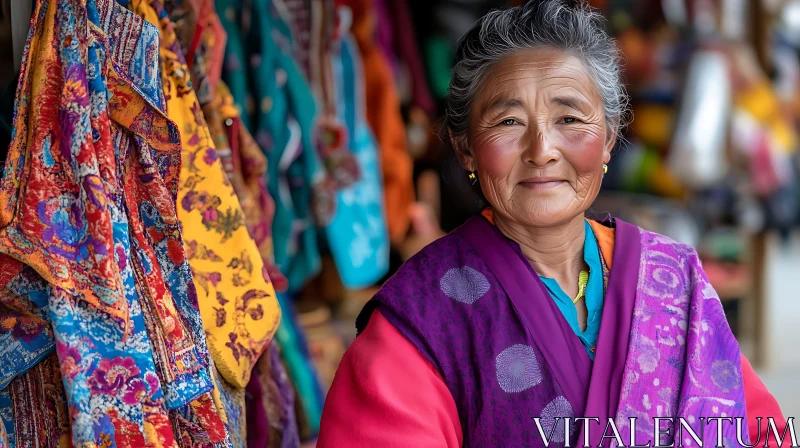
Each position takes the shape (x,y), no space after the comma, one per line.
(284,399)
(246,166)
(236,300)
(474,307)
(91,209)
(231,400)
(243,161)
(678,316)
(202,39)
(40,407)
(7,436)
(25,333)
(270,398)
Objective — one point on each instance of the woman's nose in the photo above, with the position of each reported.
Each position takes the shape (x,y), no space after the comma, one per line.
(539,150)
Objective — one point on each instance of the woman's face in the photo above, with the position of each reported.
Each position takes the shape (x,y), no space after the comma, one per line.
(538,138)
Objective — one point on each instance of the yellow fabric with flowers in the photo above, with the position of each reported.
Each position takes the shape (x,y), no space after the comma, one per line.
(237,302)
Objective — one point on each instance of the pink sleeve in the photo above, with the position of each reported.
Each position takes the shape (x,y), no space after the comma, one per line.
(759,402)
(386,394)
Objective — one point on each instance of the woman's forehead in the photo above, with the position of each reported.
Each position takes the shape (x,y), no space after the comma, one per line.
(537,72)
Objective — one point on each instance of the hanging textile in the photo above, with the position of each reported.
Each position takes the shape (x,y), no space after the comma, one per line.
(201,36)
(300,369)
(280,111)
(383,113)
(40,407)
(357,235)
(407,49)
(236,301)
(90,190)
(297,13)
(271,399)
(246,166)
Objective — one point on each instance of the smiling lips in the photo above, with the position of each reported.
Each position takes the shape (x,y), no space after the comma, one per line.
(542,183)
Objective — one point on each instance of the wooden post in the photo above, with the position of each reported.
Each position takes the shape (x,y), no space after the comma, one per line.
(760,302)
(760,39)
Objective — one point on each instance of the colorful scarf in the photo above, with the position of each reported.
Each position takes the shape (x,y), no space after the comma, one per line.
(473,305)
(97,173)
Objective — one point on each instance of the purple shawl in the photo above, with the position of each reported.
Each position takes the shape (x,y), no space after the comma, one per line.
(473,306)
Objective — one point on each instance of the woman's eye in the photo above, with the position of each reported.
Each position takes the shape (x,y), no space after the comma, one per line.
(569,120)
(509,122)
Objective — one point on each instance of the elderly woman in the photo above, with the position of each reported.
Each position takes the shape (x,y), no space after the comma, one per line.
(531,314)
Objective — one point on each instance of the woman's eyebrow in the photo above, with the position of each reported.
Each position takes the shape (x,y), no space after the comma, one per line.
(502,103)
(570,101)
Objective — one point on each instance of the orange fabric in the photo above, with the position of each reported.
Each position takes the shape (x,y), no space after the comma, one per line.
(386,121)
(488,214)
(605,239)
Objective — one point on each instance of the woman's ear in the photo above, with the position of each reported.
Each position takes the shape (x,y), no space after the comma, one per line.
(463,151)
(611,140)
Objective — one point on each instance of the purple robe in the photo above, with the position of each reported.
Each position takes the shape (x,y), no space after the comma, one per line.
(474,307)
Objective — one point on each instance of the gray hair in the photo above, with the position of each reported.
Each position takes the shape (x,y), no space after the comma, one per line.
(567,25)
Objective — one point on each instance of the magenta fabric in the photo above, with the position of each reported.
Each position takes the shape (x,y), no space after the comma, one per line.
(385,33)
(257,421)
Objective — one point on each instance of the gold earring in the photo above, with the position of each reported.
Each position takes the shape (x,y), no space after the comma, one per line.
(605,168)
(473,178)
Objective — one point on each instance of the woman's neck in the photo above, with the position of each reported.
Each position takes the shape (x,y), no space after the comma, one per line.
(555,252)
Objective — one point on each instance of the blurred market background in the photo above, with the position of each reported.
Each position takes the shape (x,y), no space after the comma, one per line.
(710,159)
(345,98)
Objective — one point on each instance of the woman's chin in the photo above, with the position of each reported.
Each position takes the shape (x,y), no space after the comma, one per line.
(540,212)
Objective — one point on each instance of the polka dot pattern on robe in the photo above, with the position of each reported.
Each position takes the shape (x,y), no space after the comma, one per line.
(560,409)
(464,284)
(518,369)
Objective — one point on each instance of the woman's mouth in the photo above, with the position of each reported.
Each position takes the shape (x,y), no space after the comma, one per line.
(542,183)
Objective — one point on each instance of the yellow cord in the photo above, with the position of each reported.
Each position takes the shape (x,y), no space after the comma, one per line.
(583,280)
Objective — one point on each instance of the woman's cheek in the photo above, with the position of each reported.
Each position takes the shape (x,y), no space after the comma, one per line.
(584,149)
(496,153)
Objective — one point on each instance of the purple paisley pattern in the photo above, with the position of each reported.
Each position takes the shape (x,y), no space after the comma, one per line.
(683,359)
